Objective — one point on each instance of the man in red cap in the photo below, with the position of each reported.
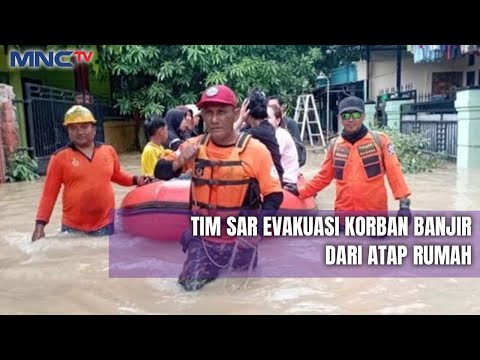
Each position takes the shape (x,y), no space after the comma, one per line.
(230,171)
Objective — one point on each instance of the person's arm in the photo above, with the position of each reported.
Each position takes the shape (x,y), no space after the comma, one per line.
(120,176)
(175,163)
(237,125)
(289,154)
(293,129)
(321,180)
(394,171)
(396,178)
(277,160)
(167,152)
(244,111)
(268,179)
(272,201)
(51,188)
(175,144)
(164,170)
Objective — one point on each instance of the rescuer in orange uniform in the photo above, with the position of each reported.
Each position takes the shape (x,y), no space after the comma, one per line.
(230,172)
(86,170)
(358,161)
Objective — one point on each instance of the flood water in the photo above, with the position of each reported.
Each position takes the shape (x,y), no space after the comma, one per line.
(65,274)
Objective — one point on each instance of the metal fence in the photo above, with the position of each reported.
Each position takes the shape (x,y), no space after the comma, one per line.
(45,109)
(437,121)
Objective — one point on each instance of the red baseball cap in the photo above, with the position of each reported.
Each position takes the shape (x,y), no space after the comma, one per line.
(218,94)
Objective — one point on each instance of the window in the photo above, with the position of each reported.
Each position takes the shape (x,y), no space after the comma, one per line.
(443,82)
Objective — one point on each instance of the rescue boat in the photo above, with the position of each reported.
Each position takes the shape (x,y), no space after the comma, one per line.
(160,210)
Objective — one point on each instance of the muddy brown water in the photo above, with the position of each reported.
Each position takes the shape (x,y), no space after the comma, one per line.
(65,274)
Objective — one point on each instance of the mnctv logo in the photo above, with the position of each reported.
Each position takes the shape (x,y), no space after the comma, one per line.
(48,59)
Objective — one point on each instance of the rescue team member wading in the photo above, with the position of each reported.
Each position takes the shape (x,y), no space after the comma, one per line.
(229,173)
(358,161)
(85,169)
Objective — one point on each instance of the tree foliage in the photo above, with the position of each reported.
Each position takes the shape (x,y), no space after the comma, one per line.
(153,78)
(150,79)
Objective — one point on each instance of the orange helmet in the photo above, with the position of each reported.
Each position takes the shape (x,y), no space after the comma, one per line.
(78,114)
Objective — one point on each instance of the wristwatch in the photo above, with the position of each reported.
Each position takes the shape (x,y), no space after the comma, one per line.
(405,203)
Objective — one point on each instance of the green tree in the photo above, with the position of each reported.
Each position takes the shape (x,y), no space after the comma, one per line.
(153,78)
(338,55)
(150,79)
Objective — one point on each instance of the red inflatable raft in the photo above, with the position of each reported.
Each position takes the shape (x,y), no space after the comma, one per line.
(160,211)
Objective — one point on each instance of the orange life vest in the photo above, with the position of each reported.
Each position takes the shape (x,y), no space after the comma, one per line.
(371,155)
(233,188)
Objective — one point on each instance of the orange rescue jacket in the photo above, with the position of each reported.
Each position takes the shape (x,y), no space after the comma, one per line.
(359,171)
(228,176)
(228,179)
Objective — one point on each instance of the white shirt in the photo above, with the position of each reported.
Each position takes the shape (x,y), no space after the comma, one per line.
(289,154)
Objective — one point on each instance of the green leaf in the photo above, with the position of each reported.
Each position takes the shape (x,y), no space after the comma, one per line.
(186,70)
(20,167)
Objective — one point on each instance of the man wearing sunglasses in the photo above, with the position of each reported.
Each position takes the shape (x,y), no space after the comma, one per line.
(358,160)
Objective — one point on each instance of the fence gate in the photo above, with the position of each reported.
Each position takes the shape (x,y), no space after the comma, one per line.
(437,121)
(45,109)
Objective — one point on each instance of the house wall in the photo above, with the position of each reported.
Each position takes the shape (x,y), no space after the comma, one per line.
(383,72)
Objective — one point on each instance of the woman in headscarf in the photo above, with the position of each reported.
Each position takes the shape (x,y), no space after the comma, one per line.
(179,125)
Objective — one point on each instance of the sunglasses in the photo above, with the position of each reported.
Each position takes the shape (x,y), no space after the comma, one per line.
(355,115)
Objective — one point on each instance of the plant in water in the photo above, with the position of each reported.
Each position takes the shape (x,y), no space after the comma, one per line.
(21,167)
(410,149)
